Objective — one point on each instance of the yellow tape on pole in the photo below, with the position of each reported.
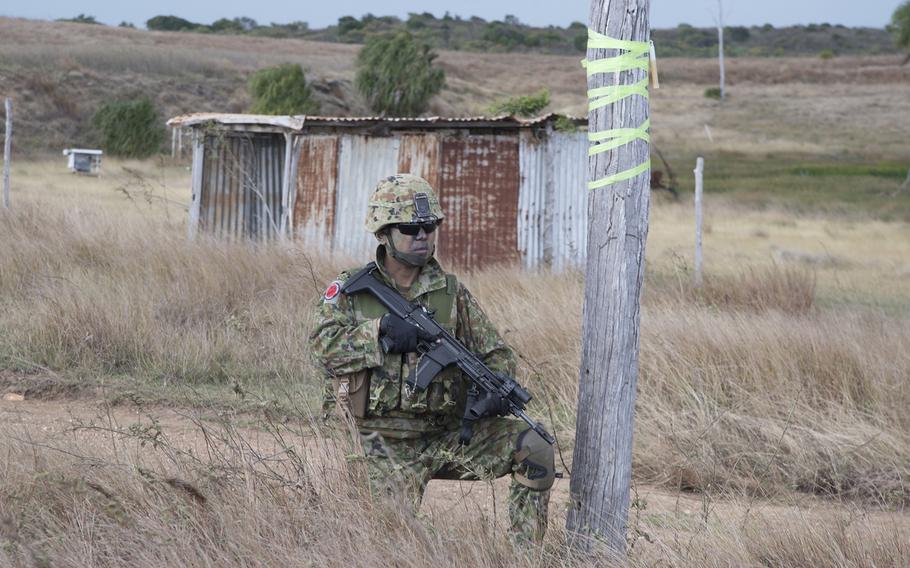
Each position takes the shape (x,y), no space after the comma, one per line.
(635,57)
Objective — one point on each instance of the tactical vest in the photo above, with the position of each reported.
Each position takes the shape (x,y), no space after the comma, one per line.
(387,393)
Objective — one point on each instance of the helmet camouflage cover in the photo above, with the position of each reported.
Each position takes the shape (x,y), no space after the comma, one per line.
(392,202)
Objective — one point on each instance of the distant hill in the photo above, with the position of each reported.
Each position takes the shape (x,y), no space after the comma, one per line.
(511,35)
(60,73)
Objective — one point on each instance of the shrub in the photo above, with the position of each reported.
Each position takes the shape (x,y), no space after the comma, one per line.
(712,93)
(738,33)
(527,106)
(826,54)
(506,35)
(580,42)
(395,75)
(282,90)
(170,24)
(348,24)
(81,19)
(130,128)
(900,25)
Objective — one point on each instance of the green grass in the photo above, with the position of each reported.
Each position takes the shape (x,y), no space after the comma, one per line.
(803,184)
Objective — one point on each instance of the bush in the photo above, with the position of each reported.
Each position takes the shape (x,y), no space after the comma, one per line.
(826,54)
(712,93)
(395,75)
(282,90)
(81,19)
(170,24)
(738,34)
(900,25)
(526,106)
(131,128)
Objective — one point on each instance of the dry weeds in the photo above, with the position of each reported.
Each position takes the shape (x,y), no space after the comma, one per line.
(850,105)
(753,396)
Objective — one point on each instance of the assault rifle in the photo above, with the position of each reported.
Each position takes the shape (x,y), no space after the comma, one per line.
(440,350)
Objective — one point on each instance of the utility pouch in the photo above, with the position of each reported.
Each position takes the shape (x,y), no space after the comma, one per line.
(352,392)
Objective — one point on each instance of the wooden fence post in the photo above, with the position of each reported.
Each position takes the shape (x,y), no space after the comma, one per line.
(7,150)
(600,487)
(198,164)
(699,188)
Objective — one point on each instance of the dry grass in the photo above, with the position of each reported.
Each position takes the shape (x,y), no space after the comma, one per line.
(851,105)
(746,386)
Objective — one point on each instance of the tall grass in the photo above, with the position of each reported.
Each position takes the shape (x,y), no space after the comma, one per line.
(747,391)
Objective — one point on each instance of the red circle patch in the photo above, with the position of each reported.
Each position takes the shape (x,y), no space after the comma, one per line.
(332,291)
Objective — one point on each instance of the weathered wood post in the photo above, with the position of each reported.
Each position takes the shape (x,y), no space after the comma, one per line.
(618,170)
(699,188)
(7,150)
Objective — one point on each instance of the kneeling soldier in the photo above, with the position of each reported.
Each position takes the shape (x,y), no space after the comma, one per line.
(412,437)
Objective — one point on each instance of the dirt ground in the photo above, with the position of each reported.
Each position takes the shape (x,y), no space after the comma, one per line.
(658,518)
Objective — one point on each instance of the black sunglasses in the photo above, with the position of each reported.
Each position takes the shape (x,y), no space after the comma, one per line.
(411,229)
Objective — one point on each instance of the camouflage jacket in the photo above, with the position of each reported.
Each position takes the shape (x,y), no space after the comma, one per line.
(345,344)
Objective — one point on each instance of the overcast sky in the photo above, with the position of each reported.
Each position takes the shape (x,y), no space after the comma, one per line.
(664,13)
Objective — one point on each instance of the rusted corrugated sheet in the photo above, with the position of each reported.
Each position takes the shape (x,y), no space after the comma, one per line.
(241,185)
(419,154)
(298,123)
(317,177)
(362,162)
(479,181)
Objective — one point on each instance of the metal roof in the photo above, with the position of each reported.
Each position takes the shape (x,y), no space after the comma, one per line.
(297,123)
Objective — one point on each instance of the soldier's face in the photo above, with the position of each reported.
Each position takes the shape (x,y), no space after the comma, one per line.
(419,244)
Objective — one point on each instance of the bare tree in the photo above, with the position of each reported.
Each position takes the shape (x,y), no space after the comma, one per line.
(617,231)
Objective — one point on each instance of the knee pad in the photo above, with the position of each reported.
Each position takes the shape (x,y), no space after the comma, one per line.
(535,460)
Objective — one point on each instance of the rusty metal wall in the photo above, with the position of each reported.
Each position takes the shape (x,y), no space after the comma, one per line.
(552,218)
(362,162)
(479,183)
(419,154)
(241,185)
(317,182)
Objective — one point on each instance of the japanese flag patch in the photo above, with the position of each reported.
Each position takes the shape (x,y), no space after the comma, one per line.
(332,292)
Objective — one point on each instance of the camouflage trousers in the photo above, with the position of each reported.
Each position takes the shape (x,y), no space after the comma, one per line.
(397,467)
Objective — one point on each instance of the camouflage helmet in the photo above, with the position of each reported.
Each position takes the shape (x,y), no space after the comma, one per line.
(393,201)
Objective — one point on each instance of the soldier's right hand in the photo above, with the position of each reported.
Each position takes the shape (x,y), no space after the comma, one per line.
(399,336)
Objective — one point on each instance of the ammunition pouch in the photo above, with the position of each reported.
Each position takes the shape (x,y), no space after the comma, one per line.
(535,460)
(352,393)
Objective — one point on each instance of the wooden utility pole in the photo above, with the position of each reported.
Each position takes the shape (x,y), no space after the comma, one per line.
(7,151)
(699,188)
(617,231)
(720,47)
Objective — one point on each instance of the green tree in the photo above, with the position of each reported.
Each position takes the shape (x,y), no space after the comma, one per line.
(900,28)
(130,128)
(226,26)
(282,90)
(396,76)
(81,19)
(170,24)
(526,106)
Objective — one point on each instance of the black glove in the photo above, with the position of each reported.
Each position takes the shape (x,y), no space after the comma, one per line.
(489,405)
(398,336)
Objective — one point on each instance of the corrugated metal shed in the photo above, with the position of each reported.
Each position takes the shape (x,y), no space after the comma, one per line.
(364,160)
(513,190)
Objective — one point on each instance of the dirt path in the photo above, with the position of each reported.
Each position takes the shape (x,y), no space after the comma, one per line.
(657,513)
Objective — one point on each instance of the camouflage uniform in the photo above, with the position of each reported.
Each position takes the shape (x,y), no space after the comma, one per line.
(408,440)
